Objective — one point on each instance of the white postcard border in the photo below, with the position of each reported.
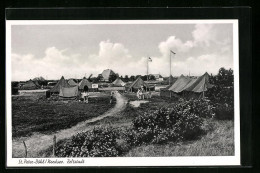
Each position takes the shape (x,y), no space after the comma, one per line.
(123,161)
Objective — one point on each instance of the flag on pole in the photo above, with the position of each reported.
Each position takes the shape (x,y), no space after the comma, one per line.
(173,52)
(150,59)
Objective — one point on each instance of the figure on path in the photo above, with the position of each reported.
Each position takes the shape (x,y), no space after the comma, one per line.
(111,97)
(85,94)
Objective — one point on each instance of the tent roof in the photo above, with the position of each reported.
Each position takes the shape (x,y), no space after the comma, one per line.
(84,82)
(199,84)
(138,83)
(31,84)
(173,80)
(72,82)
(61,83)
(118,82)
(180,84)
(106,73)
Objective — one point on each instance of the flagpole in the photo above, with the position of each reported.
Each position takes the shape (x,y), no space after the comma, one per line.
(147,67)
(170,69)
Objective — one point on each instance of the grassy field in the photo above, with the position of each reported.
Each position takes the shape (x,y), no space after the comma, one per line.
(32,114)
(218,141)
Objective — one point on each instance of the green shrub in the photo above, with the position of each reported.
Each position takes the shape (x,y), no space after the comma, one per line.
(201,107)
(100,142)
(163,125)
(224,112)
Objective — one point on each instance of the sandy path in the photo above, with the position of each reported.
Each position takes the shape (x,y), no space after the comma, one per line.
(137,103)
(38,142)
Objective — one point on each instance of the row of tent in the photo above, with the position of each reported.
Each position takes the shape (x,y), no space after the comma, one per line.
(70,89)
(188,87)
(137,84)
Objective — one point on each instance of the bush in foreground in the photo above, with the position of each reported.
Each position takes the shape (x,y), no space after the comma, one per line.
(100,142)
(172,124)
(178,123)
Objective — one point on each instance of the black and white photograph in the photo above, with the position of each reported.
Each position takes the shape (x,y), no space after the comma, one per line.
(122,93)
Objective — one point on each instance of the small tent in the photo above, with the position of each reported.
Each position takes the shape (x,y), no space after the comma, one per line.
(72,82)
(188,87)
(180,84)
(61,83)
(170,80)
(68,93)
(137,84)
(107,73)
(30,85)
(118,82)
(198,88)
(84,82)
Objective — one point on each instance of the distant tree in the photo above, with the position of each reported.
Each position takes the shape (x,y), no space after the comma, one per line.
(152,77)
(132,78)
(137,76)
(38,79)
(144,77)
(98,78)
(112,77)
(126,78)
(223,90)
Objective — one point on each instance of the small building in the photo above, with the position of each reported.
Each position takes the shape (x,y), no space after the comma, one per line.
(158,77)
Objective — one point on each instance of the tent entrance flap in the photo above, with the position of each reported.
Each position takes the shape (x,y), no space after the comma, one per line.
(68,92)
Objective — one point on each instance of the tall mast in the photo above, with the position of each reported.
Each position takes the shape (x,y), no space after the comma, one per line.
(170,69)
(147,68)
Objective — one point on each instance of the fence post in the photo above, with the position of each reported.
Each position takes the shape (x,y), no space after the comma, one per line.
(25,149)
(54,145)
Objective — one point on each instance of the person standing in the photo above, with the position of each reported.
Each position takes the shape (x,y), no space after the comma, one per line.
(111,97)
(142,92)
(85,94)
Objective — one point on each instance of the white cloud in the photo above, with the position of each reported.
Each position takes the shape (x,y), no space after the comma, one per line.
(204,34)
(176,44)
(203,52)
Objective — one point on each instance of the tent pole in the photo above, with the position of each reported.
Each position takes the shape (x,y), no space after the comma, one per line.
(147,67)
(170,69)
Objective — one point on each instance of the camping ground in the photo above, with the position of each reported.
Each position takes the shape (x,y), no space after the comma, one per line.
(217,141)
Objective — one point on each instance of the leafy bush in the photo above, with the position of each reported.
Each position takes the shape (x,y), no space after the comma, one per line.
(201,107)
(223,90)
(100,142)
(163,125)
(224,112)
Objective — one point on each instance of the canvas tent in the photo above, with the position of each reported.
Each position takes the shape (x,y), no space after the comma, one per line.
(61,83)
(118,82)
(137,84)
(68,93)
(107,73)
(188,87)
(30,85)
(72,82)
(171,79)
(84,82)
(180,84)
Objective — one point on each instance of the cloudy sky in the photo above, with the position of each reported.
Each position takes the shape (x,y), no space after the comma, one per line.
(75,50)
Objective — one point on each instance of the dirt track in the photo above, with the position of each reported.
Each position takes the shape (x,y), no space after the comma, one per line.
(38,142)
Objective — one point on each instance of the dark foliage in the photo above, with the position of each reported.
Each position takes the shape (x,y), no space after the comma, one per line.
(222,94)
(166,124)
(100,142)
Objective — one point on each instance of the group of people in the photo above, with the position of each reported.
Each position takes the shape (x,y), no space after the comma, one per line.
(85,95)
(141,93)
